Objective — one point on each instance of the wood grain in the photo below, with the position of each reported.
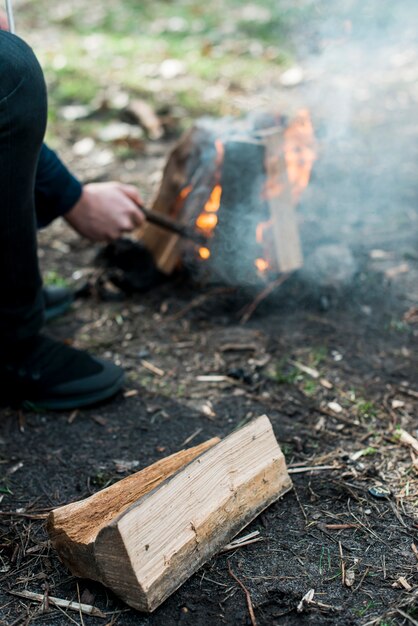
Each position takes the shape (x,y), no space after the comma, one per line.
(146,551)
(73,528)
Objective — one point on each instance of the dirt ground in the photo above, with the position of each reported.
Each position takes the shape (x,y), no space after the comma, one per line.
(331,358)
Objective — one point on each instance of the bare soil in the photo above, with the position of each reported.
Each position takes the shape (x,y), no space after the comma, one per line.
(358,332)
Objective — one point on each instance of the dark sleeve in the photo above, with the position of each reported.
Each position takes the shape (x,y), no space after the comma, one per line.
(56,189)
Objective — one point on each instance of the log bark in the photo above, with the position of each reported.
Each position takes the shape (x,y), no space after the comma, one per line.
(167,248)
(157,535)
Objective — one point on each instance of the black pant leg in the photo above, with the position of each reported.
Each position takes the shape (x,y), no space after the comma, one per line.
(23,111)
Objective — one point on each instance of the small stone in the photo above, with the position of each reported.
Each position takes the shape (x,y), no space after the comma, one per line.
(350,577)
(74,112)
(84,146)
(335,407)
(380,492)
(292,77)
(119,131)
(171,68)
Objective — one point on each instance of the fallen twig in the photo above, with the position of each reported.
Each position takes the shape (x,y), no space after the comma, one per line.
(79,608)
(87,609)
(300,504)
(408,392)
(308,601)
(213,378)
(366,571)
(408,617)
(402,582)
(196,302)
(247,595)
(406,439)
(409,601)
(243,541)
(340,526)
(313,468)
(342,562)
(26,515)
(305,369)
(191,437)
(152,368)
(248,310)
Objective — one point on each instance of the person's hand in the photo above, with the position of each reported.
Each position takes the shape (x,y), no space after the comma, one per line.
(4,23)
(105,211)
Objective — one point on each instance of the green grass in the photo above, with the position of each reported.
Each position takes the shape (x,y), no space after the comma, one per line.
(310,387)
(226,48)
(317,355)
(324,560)
(366,608)
(53,279)
(370,451)
(284,375)
(365,409)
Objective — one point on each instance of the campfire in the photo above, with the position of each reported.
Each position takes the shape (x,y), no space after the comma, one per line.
(235,184)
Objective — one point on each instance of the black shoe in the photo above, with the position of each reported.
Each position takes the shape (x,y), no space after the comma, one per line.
(57,301)
(47,374)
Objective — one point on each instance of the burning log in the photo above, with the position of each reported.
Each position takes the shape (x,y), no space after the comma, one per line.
(236,182)
(145,535)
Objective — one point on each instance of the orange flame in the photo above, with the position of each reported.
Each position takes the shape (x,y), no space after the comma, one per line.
(179,202)
(185,192)
(299,150)
(220,153)
(204,253)
(214,202)
(261,264)
(207,221)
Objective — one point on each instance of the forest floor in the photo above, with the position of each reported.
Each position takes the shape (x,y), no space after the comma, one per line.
(332,362)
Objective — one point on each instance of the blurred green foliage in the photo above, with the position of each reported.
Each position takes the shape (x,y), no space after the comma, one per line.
(196,55)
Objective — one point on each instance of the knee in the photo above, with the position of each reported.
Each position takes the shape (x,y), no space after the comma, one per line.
(18,65)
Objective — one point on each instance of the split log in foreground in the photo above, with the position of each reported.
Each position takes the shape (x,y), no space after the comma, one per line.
(146,535)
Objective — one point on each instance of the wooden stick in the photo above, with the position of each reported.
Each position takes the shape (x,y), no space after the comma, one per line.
(248,311)
(285,228)
(407,440)
(247,595)
(340,526)
(87,609)
(312,468)
(168,223)
(342,562)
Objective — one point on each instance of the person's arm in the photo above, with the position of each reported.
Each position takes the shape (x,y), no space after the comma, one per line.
(97,211)
(56,189)
(105,211)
